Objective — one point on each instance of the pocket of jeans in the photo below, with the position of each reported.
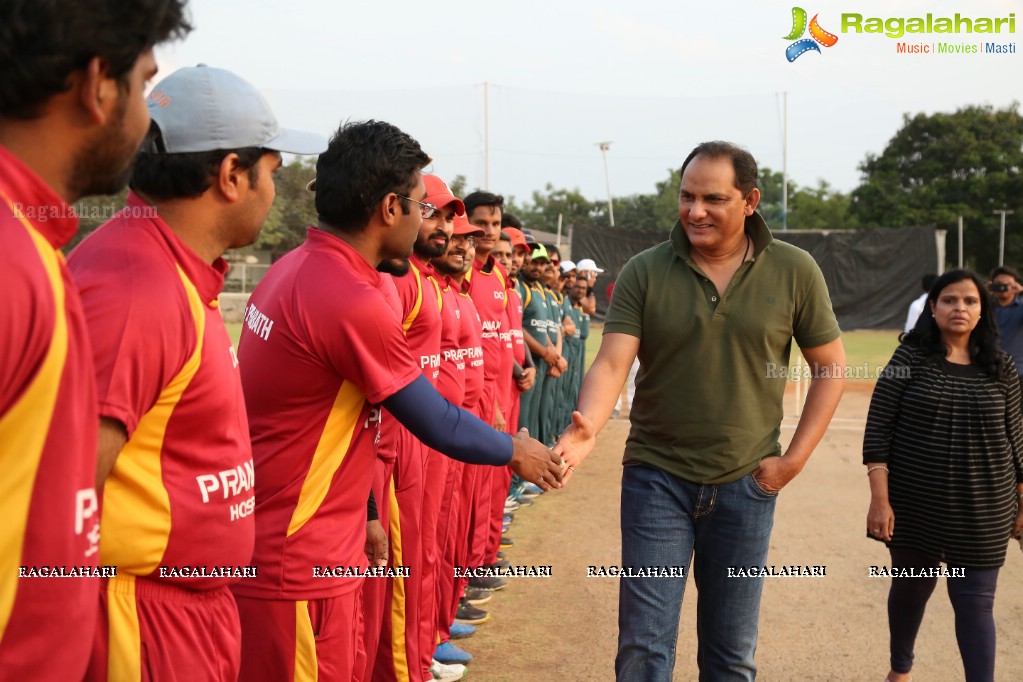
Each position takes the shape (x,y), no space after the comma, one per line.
(758,489)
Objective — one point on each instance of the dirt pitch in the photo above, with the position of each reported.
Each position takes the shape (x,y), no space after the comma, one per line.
(831,628)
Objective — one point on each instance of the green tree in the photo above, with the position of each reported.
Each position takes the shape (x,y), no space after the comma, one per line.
(943,165)
(819,208)
(457,186)
(294,208)
(543,211)
(657,211)
(770,207)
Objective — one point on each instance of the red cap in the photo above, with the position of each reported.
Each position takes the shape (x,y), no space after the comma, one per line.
(438,194)
(464,227)
(517,238)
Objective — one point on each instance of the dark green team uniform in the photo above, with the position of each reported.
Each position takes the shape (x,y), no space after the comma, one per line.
(535,320)
(575,354)
(550,398)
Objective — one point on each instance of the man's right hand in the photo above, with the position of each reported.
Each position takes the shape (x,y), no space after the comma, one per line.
(575,443)
(376,544)
(534,462)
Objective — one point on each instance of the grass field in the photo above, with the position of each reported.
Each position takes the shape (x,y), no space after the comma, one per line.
(867,351)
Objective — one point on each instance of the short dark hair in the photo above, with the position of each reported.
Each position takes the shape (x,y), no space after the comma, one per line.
(510,220)
(185,176)
(553,250)
(364,162)
(983,345)
(743,163)
(928,281)
(1004,270)
(476,199)
(42,42)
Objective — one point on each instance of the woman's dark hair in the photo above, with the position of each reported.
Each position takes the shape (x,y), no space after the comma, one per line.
(984,347)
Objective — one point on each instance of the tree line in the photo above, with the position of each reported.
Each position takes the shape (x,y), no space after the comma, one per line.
(936,168)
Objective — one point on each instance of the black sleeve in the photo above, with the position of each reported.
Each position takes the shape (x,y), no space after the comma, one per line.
(447,428)
(884,405)
(371,508)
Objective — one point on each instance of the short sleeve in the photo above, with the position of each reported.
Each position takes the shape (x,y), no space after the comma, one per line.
(885,405)
(625,311)
(141,336)
(27,328)
(364,346)
(814,323)
(1013,416)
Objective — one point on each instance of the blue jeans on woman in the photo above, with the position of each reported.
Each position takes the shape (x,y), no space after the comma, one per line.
(667,521)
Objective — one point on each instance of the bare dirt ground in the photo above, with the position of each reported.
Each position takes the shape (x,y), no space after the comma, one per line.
(827,628)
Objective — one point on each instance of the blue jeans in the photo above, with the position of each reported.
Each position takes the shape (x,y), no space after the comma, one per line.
(665,522)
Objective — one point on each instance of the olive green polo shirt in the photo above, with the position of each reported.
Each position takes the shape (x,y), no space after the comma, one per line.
(708,403)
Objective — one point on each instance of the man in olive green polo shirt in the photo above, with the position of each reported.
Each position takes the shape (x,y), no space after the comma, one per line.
(711,314)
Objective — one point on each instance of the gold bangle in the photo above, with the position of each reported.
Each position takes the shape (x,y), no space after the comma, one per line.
(875,467)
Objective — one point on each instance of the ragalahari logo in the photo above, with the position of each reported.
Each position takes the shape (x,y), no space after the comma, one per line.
(817,35)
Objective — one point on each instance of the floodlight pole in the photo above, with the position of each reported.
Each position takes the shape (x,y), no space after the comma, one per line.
(486,134)
(604,146)
(960,242)
(1001,236)
(785,162)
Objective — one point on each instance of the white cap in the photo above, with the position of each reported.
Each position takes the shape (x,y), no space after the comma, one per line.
(202,109)
(567,266)
(587,265)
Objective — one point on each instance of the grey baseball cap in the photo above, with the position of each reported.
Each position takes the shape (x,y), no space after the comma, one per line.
(201,108)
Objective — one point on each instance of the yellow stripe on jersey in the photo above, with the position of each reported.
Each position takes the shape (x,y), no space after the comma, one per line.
(124,636)
(504,285)
(24,429)
(136,522)
(306,666)
(399,654)
(330,452)
(414,313)
(440,299)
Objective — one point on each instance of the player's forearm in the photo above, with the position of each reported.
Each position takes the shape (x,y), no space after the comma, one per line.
(535,347)
(600,390)
(878,485)
(821,403)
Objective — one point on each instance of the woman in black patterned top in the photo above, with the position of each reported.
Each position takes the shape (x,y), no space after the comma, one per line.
(944,454)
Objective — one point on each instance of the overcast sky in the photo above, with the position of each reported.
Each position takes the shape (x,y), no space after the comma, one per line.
(655,77)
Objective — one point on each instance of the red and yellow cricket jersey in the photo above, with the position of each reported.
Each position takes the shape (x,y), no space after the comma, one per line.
(488,293)
(319,351)
(48,421)
(181,494)
(515,323)
(470,340)
(504,379)
(451,382)
(421,304)
(387,441)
